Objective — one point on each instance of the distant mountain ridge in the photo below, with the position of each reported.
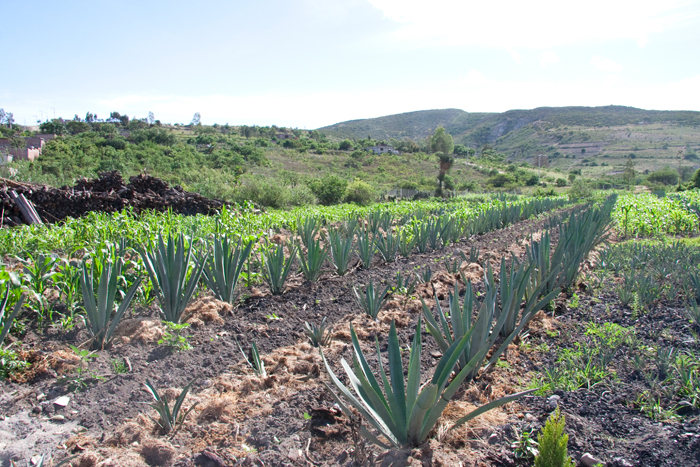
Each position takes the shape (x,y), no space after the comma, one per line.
(478,128)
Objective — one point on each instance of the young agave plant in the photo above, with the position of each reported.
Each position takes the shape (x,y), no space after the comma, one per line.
(312,263)
(169,420)
(484,332)
(372,301)
(388,246)
(403,413)
(317,334)
(224,268)
(98,309)
(6,323)
(167,266)
(366,247)
(275,269)
(341,250)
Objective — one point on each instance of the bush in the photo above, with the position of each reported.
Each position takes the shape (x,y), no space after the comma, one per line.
(560,182)
(329,189)
(345,145)
(261,191)
(500,180)
(360,193)
(666,175)
(532,181)
(580,189)
(553,443)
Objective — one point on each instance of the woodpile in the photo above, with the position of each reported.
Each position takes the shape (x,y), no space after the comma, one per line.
(108,193)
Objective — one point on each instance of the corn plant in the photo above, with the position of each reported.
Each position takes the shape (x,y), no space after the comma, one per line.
(372,300)
(317,334)
(275,269)
(366,247)
(312,263)
(403,413)
(168,266)
(38,273)
(388,246)
(169,420)
(98,309)
(341,250)
(6,323)
(224,267)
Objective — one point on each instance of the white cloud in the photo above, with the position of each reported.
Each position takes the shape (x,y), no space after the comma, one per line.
(538,24)
(605,64)
(548,57)
(474,79)
(515,56)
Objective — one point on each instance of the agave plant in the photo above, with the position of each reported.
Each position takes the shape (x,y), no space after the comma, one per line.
(308,228)
(275,269)
(484,332)
(366,247)
(98,310)
(168,266)
(317,334)
(6,323)
(372,300)
(406,242)
(255,362)
(341,250)
(312,263)
(169,421)
(403,412)
(388,246)
(421,233)
(693,314)
(224,268)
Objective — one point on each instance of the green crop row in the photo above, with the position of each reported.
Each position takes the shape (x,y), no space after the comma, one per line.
(646,215)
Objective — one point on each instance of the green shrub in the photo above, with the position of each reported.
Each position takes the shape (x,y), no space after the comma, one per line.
(580,189)
(262,191)
(553,442)
(329,189)
(360,193)
(560,182)
(666,175)
(345,145)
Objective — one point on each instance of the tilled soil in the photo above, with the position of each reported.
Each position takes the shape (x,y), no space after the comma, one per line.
(288,418)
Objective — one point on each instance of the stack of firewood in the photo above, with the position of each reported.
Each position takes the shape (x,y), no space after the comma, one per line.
(108,193)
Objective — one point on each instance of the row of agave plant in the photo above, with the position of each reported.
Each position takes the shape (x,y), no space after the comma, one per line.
(174,268)
(404,412)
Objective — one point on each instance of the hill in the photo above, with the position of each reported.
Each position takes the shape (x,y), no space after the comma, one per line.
(597,140)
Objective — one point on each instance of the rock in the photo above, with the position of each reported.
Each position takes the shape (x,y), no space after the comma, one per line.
(553,401)
(40,397)
(588,460)
(684,407)
(62,401)
(57,418)
(493,439)
(530,418)
(621,462)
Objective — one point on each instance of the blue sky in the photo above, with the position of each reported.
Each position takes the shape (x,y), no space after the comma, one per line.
(309,63)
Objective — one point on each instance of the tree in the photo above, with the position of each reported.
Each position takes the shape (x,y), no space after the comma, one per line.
(329,189)
(151,118)
(345,145)
(441,141)
(90,117)
(445,161)
(572,176)
(196,119)
(629,173)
